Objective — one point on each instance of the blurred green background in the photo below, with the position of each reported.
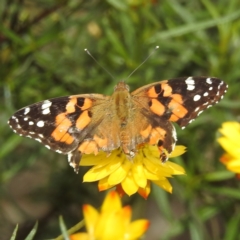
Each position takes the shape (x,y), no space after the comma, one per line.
(42,56)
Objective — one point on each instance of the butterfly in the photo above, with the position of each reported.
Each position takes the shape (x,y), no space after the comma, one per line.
(89,123)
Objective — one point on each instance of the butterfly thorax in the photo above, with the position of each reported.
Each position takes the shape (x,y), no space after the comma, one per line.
(122,102)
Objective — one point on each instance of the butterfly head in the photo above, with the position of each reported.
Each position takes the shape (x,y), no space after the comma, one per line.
(121,86)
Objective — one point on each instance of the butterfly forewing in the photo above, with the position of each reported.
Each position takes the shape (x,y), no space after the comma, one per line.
(198,93)
(56,123)
(181,100)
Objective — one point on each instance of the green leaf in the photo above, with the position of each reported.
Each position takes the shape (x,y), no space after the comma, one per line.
(192,27)
(218,176)
(13,237)
(11,35)
(120,5)
(225,191)
(31,235)
(162,201)
(63,228)
(232,228)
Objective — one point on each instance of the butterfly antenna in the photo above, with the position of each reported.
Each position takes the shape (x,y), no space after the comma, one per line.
(154,50)
(98,63)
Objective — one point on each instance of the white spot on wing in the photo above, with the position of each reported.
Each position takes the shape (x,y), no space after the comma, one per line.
(190,83)
(30,122)
(209,80)
(26,111)
(46,111)
(14,118)
(196,98)
(190,87)
(40,123)
(205,94)
(200,113)
(46,104)
(196,109)
(190,80)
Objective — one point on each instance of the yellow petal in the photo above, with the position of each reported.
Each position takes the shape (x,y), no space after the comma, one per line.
(178,150)
(126,214)
(232,147)
(110,226)
(101,159)
(111,202)
(129,186)
(165,184)
(91,159)
(91,217)
(234,166)
(103,184)
(138,173)
(96,173)
(137,228)
(177,169)
(231,130)
(226,158)
(144,192)
(120,173)
(151,176)
(157,167)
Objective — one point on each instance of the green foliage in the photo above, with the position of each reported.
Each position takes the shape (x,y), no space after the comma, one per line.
(42,56)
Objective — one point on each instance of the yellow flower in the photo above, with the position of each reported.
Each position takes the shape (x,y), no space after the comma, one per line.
(113,222)
(132,175)
(230,141)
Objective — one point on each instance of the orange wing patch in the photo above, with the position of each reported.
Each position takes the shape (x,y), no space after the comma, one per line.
(88,147)
(60,132)
(156,134)
(146,132)
(157,107)
(152,92)
(70,107)
(63,123)
(101,142)
(92,146)
(176,107)
(167,90)
(83,120)
(87,104)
